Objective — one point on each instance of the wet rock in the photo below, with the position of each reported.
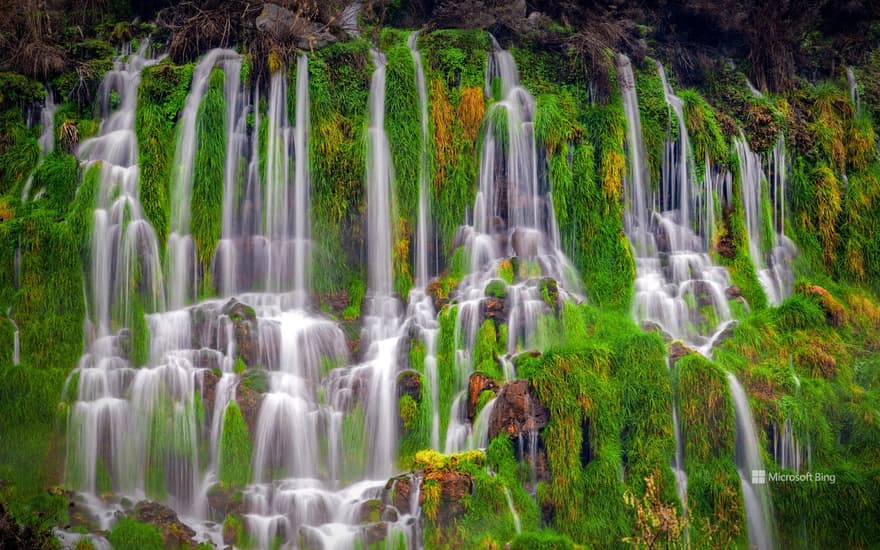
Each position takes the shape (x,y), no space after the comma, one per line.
(495,309)
(650,326)
(371,511)
(248,400)
(209,390)
(525,242)
(244,322)
(123,343)
(223,501)
(733,292)
(207,359)
(449,506)
(550,292)
(175,534)
(703,293)
(477,384)
(517,411)
(435,291)
(409,382)
(677,350)
(399,488)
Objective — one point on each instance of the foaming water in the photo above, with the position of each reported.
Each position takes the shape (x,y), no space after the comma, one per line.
(763,197)
(513,224)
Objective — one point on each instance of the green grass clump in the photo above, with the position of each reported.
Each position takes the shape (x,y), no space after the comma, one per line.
(161,97)
(130,534)
(235,448)
(708,428)
(339,84)
(541,540)
(403,126)
(208,168)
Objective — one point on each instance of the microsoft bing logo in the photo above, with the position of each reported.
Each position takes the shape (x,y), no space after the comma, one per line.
(759,477)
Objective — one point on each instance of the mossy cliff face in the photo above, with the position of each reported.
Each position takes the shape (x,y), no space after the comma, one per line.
(600,392)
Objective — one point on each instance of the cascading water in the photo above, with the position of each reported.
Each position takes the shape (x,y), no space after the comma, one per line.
(382,321)
(677,286)
(763,195)
(513,222)
(183,274)
(46,142)
(759,507)
(420,310)
(788,449)
(853,90)
(16,339)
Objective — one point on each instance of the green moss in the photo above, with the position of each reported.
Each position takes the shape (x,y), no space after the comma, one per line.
(50,300)
(208,169)
(129,534)
(338,91)
(708,428)
(496,288)
(415,423)
(354,443)
(140,335)
(29,410)
(541,540)
(161,97)
(18,152)
(403,126)
(447,369)
(235,448)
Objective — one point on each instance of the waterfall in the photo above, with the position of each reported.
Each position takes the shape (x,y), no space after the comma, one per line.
(46,141)
(420,309)
(763,196)
(516,522)
(183,273)
(122,239)
(759,507)
(16,339)
(382,321)
(513,221)
(227,260)
(853,91)
(677,286)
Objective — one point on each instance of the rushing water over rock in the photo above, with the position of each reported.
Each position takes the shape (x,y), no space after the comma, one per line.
(763,196)
(420,309)
(46,141)
(183,272)
(759,508)
(513,225)
(677,286)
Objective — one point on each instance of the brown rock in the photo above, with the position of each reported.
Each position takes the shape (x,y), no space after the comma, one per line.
(677,350)
(223,501)
(517,411)
(495,309)
(249,401)
(477,384)
(454,487)
(409,383)
(733,292)
(175,534)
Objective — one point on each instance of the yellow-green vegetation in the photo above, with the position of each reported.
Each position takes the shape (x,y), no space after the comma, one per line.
(339,84)
(715,508)
(808,362)
(454,63)
(474,484)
